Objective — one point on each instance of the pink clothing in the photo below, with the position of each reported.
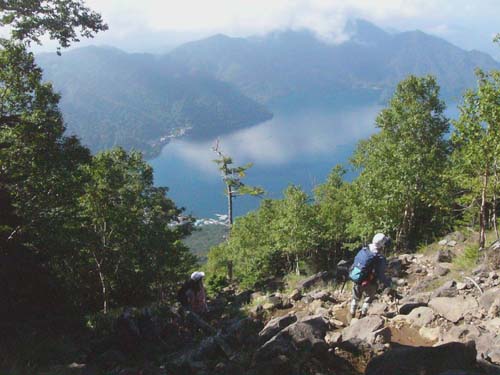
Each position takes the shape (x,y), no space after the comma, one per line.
(197,300)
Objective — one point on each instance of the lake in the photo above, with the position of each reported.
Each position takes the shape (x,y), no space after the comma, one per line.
(298,146)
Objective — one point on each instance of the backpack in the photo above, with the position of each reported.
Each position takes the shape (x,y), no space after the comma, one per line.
(362,267)
(181,294)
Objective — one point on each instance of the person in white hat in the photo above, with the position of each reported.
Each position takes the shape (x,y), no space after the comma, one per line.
(366,272)
(192,294)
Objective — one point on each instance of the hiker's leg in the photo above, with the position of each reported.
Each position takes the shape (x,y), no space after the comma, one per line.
(369,290)
(356,296)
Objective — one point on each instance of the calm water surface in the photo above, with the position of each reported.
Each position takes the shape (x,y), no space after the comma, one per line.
(298,146)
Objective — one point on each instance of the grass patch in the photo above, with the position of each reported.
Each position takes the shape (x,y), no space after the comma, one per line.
(468,259)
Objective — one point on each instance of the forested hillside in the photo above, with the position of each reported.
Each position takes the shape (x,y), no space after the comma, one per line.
(111,98)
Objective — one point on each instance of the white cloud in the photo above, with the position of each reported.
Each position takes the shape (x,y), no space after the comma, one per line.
(132,18)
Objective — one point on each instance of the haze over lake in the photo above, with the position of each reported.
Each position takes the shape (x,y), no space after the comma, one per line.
(298,146)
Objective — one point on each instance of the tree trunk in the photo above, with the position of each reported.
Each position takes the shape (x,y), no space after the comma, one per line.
(482,212)
(230,205)
(495,200)
(103,284)
(402,233)
(297,269)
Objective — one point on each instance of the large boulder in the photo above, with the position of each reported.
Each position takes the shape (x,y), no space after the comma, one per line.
(243,331)
(453,309)
(409,303)
(461,333)
(454,357)
(305,337)
(276,325)
(421,316)
(365,332)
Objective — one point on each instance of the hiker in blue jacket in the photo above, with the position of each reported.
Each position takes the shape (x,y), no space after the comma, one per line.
(367,271)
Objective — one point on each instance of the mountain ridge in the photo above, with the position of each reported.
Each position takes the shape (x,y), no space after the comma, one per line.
(220,84)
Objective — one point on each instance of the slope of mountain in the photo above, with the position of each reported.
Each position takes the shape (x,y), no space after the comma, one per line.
(219,84)
(287,63)
(113,98)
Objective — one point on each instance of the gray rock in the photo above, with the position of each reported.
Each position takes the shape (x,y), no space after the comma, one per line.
(365,332)
(378,308)
(487,299)
(494,310)
(321,295)
(407,307)
(243,331)
(333,338)
(461,333)
(455,236)
(316,279)
(494,356)
(421,316)
(444,256)
(448,289)
(452,243)
(441,271)
(493,325)
(453,309)
(295,295)
(429,333)
(276,325)
(442,242)
(494,246)
(305,336)
(424,360)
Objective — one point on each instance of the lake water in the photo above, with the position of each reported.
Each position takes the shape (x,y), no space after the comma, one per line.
(298,146)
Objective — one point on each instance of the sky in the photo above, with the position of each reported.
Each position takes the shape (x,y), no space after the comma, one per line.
(158,25)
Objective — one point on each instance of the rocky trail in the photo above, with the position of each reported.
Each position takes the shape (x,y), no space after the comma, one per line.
(446,322)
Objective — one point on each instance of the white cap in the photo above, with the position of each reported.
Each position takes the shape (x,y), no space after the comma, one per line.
(379,240)
(198,275)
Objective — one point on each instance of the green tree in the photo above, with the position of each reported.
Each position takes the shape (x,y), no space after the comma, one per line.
(62,20)
(232,177)
(477,145)
(40,181)
(127,220)
(401,188)
(296,232)
(333,211)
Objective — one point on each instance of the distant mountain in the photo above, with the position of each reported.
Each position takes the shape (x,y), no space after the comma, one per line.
(138,101)
(219,84)
(296,63)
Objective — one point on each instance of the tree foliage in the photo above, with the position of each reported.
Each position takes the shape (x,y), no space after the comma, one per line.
(62,20)
(76,231)
(477,149)
(402,189)
(126,222)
